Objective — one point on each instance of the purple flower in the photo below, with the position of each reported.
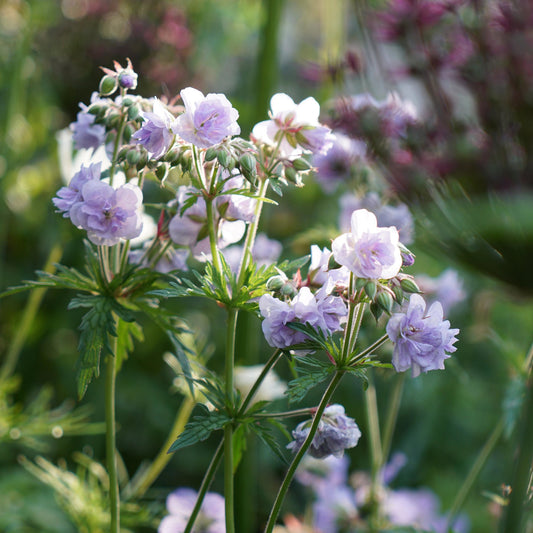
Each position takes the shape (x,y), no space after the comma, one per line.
(185,228)
(236,206)
(295,125)
(180,504)
(265,252)
(71,195)
(108,214)
(155,134)
(207,120)
(368,250)
(335,166)
(277,314)
(332,308)
(85,133)
(421,338)
(336,432)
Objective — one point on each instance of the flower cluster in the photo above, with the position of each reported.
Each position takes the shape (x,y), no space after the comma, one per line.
(321,310)
(422,339)
(336,433)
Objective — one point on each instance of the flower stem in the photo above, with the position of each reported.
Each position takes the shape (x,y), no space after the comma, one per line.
(228,430)
(376,450)
(392,415)
(250,396)
(368,351)
(139,487)
(114,497)
(206,482)
(301,452)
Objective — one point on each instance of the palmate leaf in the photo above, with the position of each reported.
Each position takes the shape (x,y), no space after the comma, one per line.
(312,372)
(200,427)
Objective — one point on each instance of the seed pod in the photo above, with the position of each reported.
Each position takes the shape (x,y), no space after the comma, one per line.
(210,154)
(384,300)
(370,289)
(302,164)
(248,164)
(409,285)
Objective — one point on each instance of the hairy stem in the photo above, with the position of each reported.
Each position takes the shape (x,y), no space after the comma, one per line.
(376,451)
(301,452)
(204,487)
(392,415)
(111,450)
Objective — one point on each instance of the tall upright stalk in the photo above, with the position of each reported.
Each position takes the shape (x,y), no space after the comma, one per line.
(301,452)
(111,447)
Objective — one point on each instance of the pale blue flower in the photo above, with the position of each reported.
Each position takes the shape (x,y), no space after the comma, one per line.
(108,214)
(422,339)
(336,432)
(155,134)
(207,120)
(68,196)
(368,250)
(85,132)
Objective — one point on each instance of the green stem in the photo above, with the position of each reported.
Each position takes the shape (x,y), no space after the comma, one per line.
(301,452)
(204,487)
(251,233)
(141,485)
(211,226)
(515,512)
(118,142)
(480,461)
(111,445)
(228,430)
(368,351)
(28,315)
(392,415)
(376,450)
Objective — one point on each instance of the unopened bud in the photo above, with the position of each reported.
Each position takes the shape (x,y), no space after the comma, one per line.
(161,171)
(302,164)
(248,164)
(332,264)
(409,285)
(108,85)
(133,156)
(275,283)
(292,175)
(288,289)
(133,112)
(370,289)
(384,300)
(210,154)
(398,293)
(127,79)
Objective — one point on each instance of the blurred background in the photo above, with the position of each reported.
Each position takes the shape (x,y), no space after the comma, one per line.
(50,54)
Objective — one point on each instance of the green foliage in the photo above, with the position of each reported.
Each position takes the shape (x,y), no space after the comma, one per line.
(200,427)
(312,372)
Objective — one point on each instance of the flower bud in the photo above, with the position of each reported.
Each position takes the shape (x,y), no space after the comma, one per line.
(172,156)
(133,156)
(210,154)
(370,289)
(275,283)
(128,132)
(332,264)
(292,176)
(133,112)
(161,171)
(398,293)
(302,164)
(127,79)
(409,285)
(384,301)
(108,85)
(248,164)
(289,289)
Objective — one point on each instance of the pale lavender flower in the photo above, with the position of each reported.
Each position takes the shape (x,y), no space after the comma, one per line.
(180,504)
(448,289)
(236,206)
(336,165)
(336,432)
(296,125)
(155,134)
(319,266)
(71,195)
(332,308)
(85,133)
(368,250)
(277,314)
(207,120)
(108,214)
(422,339)
(185,228)
(387,215)
(172,259)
